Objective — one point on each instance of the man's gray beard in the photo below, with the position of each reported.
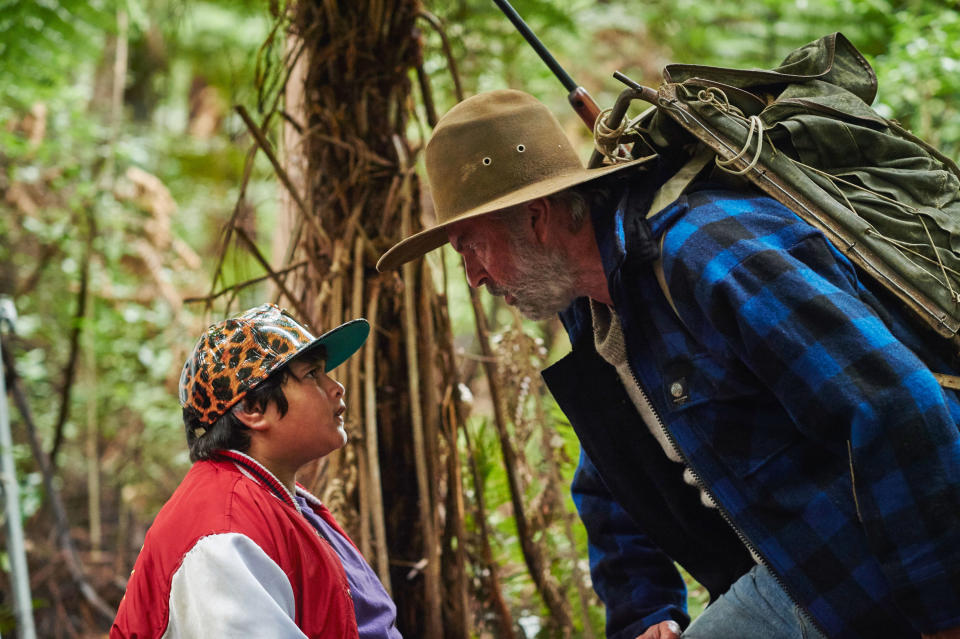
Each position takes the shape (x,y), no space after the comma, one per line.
(544,283)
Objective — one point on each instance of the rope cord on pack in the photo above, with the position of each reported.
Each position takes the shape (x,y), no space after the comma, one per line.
(610,142)
(904,246)
(709,96)
(954,295)
(840,191)
(756,125)
(606,140)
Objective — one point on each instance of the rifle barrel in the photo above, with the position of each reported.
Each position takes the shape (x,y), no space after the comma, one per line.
(541,50)
(577,96)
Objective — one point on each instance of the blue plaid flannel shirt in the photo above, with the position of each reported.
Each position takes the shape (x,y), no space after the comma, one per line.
(804,411)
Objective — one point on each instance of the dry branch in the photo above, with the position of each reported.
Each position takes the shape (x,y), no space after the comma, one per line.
(492,571)
(373,450)
(450,416)
(71,368)
(555,603)
(47,253)
(242,285)
(355,397)
(247,172)
(447,51)
(267,149)
(270,272)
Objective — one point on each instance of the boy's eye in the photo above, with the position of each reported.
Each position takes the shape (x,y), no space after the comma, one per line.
(315,373)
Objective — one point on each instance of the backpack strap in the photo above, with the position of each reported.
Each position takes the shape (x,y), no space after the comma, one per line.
(676,185)
(667,193)
(662,281)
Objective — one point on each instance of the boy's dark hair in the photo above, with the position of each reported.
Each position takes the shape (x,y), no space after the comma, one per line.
(228,432)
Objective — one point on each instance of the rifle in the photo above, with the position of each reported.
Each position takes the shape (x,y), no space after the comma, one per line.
(579,98)
(584,105)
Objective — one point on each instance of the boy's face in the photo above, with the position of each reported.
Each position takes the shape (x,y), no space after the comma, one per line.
(313,424)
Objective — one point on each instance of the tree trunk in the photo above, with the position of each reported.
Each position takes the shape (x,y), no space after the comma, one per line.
(398,488)
(359,188)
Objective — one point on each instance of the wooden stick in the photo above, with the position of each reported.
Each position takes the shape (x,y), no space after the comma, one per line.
(451,416)
(237,207)
(373,453)
(434,629)
(335,315)
(455,517)
(47,253)
(431,383)
(447,51)
(556,477)
(353,399)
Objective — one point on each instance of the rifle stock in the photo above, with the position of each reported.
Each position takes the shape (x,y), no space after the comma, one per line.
(584,105)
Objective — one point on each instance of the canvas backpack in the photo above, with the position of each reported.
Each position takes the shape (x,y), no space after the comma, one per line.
(805,135)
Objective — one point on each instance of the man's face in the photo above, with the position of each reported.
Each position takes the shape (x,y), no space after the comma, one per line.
(508,259)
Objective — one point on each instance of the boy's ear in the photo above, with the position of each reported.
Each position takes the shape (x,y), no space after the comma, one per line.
(252,417)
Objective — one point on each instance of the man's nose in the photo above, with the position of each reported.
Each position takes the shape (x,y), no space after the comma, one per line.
(476,275)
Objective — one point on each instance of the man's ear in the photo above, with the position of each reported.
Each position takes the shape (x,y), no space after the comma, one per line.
(251,416)
(538,215)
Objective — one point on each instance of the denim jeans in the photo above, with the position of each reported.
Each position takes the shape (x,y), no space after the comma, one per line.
(755,607)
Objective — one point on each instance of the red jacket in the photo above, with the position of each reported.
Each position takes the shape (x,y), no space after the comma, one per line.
(230,555)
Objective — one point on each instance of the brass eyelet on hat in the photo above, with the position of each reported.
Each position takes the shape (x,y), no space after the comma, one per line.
(487,161)
(521,148)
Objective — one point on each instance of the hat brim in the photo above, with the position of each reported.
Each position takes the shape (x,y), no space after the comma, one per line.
(425,241)
(340,342)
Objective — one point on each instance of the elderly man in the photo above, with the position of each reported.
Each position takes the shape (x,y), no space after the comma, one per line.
(747,406)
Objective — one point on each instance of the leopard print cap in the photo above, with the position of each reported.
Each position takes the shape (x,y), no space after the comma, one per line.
(235,355)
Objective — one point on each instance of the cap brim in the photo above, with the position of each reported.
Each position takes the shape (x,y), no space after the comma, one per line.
(341,342)
(425,241)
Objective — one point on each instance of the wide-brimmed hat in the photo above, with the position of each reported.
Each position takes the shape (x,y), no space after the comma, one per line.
(490,152)
(235,355)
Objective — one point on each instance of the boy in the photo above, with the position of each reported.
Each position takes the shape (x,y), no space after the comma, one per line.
(241,550)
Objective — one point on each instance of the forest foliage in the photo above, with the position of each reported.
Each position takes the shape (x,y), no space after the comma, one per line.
(122,158)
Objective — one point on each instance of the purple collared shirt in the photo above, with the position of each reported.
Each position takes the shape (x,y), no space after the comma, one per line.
(376,612)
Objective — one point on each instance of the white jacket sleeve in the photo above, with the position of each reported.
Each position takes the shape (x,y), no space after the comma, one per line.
(228,587)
